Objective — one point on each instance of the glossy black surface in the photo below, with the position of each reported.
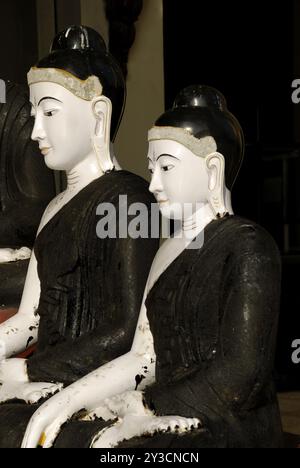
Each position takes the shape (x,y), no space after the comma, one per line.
(78,38)
(213,315)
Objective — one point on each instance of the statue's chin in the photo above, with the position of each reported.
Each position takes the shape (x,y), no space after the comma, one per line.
(170,212)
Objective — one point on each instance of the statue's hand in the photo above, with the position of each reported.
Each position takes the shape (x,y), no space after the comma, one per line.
(136,426)
(45,424)
(11,255)
(136,420)
(13,370)
(14,383)
(127,403)
(120,406)
(30,392)
(176,424)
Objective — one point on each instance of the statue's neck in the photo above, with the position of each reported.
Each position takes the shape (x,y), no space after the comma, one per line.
(198,221)
(84,173)
(228,202)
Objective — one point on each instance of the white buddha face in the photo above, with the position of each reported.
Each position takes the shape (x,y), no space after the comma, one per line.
(180,179)
(64,125)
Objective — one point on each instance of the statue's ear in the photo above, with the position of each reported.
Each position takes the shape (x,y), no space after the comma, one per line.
(215,163)
(102,110)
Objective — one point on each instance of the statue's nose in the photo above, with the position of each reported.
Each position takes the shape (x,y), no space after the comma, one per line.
(156,185)
(38,132)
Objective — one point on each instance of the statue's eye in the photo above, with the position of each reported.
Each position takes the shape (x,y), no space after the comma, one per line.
(50,113)
(151,170)
(167,168)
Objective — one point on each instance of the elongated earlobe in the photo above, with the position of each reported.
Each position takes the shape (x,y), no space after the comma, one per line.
(215,163)
(102,109)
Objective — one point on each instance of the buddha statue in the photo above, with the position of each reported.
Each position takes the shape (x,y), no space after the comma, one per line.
(26,187)
(83,292)
(199,372)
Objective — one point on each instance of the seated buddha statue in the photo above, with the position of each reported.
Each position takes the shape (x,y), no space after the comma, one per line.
(26,187)
(82,294)
(199,371)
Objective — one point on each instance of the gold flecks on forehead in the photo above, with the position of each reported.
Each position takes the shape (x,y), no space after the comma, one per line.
(200,147)
(84,89)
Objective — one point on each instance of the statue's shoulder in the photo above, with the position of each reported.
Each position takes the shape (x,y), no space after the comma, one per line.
(246,237)
(123,183)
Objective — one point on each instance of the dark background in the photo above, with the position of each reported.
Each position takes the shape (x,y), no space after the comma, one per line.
(18,39)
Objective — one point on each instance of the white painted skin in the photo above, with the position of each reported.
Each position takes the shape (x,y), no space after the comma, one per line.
(134,420)
(15,383)
(109,392)
(14,255)
(73,131)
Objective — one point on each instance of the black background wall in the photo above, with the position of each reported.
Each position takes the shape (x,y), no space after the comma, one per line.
(248,51)
(18,39)
(245,49)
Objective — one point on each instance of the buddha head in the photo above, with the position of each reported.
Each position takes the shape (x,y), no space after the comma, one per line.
(77,94)
(195,154)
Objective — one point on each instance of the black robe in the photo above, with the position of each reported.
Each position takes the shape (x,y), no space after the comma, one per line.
(91,292)
(213,315)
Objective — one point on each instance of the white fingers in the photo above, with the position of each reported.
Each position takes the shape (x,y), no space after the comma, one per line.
(51,433)
(34,433)
(34,392)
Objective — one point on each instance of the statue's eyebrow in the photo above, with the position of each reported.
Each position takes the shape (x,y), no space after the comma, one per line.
(49,97)
(167,155)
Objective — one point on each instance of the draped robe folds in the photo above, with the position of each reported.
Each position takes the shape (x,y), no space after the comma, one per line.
(91,292)
(213,314)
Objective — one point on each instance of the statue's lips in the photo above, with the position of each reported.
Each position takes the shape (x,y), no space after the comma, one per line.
(45,151)
(160,202)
